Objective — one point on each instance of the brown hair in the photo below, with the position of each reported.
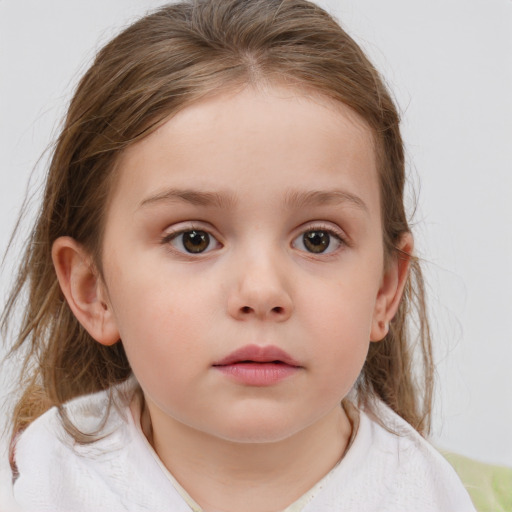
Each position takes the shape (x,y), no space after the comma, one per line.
(159,65)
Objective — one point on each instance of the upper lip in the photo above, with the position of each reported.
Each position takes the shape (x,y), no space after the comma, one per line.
(258,354)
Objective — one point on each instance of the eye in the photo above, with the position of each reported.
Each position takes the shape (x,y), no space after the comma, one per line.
(317,241)
(193,241)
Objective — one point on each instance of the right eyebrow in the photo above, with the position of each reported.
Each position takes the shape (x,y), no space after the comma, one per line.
(195,197)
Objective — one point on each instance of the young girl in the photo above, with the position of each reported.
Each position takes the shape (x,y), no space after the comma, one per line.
(220,281)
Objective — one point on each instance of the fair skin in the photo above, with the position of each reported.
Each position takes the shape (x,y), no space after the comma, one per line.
(277,194)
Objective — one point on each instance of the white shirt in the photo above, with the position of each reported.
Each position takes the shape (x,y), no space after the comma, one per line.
(381,471)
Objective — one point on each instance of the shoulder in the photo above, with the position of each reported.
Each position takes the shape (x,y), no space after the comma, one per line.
(57,473)
(93,416)
(420,475)
(113,471)
(390,467)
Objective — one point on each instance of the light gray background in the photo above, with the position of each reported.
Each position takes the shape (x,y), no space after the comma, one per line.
(449,64)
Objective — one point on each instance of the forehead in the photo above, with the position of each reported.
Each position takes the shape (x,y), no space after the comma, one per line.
(279,137)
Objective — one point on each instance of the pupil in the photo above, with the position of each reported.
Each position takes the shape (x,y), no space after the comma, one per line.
(316,241)
(196,241)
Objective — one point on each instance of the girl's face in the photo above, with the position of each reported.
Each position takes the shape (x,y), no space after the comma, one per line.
(243,262)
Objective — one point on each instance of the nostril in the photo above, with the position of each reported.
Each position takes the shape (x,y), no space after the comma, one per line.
(246,309)
(278,309)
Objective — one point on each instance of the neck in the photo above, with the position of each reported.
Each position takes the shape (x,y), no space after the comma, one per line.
(227,476)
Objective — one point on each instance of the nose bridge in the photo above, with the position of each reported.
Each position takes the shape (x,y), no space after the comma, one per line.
(261,284)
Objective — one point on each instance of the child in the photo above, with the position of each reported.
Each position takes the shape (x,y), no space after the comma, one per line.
(221,278)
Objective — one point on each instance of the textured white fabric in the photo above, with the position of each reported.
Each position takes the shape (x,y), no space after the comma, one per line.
(381,471)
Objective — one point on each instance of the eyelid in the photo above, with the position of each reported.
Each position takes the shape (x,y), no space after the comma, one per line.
(189,225)
(322,225)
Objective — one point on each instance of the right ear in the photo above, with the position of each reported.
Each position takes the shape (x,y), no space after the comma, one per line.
(84,290)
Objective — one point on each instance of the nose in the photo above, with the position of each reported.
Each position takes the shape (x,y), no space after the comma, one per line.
(260,290)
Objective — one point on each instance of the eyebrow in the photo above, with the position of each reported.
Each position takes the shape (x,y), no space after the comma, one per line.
(299,199)
(293,199)
(195,197)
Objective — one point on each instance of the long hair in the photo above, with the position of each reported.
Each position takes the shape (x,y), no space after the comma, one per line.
(159,65)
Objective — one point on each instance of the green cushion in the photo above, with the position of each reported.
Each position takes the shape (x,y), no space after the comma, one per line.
(490,487)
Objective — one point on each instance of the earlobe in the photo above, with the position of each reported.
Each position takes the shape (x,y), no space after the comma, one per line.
(392,288)
(84,290)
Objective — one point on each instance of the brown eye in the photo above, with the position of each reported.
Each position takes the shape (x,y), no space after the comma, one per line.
(192,241)
(316,241)
(195,241)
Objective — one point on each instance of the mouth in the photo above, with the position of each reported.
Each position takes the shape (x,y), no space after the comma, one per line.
(255,365)
(268,354)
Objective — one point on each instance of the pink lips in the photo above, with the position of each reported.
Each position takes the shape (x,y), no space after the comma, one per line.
(255,365)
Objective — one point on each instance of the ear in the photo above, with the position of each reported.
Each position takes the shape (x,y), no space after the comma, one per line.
(84,290)
(392,288)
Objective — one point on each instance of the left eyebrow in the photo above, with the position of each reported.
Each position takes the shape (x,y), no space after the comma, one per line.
(300,199)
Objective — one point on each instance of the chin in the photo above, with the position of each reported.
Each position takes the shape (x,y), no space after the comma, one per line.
(258,431)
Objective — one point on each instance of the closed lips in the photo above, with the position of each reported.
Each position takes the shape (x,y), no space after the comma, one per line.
(258,354)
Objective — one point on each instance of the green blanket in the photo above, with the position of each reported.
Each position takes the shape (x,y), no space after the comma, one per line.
(490,487)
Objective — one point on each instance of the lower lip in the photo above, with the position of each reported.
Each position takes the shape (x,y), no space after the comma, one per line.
(258,374)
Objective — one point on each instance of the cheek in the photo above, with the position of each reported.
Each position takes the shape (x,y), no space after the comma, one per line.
(340,321)
(343,304)
(162,320)
(158,342)
(343,336)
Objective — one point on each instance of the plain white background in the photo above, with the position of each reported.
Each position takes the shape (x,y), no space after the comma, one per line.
(449,65)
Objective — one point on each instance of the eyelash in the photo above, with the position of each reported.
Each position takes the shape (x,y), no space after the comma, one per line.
(333,234)
(168,238)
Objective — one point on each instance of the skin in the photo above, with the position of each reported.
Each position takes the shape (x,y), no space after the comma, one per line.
(258,154)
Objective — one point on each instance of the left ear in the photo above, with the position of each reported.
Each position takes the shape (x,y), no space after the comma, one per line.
(392,288)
